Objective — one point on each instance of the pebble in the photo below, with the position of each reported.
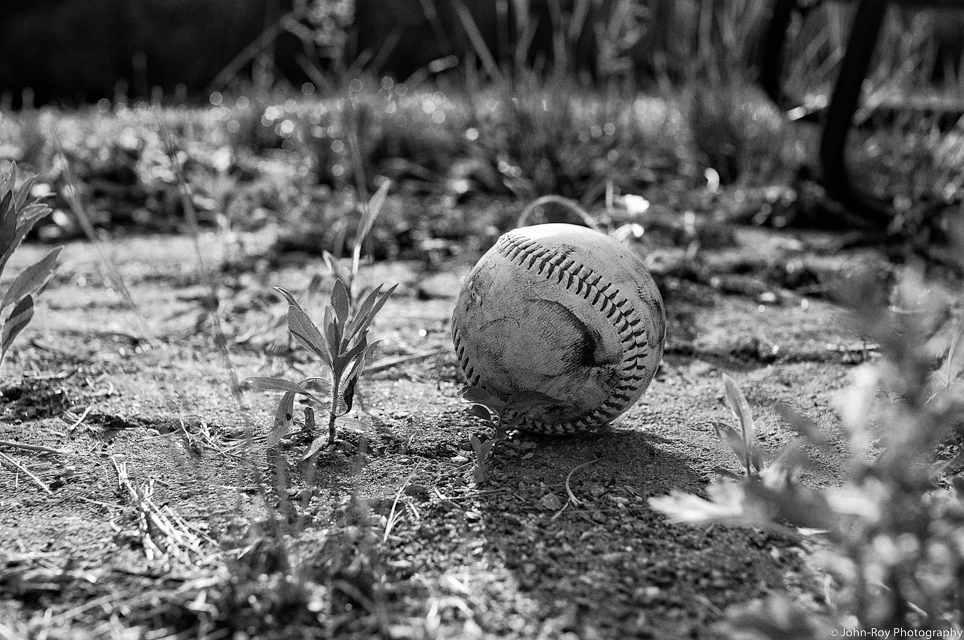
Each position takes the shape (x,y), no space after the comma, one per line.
(550,502)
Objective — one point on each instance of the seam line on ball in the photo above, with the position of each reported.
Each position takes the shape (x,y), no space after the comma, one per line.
(530,255)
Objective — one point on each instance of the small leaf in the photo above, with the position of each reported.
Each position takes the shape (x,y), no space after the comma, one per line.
(340,302)
(282,419)
(316,445)
(357,352)
(19,317)
(304,330)
(478,395)
(20,198)
(9,180)
(31,279)
(349,393)
(360,323)
(8,227)
(280,384)
(524,400)
(731,438)
(481,411)
(275,384)
(740,407)
(476,444)
(329,327)
(362,312)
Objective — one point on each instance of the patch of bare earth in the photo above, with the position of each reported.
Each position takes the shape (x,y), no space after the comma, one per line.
(158,509)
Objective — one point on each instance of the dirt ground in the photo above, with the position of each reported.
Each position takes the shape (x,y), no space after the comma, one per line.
(387,534)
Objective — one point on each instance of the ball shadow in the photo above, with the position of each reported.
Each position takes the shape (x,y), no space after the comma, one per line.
(605,564)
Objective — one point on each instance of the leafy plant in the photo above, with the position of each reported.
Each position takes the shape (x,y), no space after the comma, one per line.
(18,215)
(501,415)
(893,532)
(342,348)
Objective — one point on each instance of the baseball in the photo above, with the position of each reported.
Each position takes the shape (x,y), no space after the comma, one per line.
(566,311)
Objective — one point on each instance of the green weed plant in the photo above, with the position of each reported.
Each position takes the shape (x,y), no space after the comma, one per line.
(18,214)
(341,344)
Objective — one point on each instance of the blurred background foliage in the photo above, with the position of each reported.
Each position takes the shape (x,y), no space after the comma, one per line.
(79,51)
(287,114)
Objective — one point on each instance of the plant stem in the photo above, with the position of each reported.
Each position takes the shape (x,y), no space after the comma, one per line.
(331,411)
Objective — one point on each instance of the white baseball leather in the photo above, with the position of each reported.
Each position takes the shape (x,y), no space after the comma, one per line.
(566,311)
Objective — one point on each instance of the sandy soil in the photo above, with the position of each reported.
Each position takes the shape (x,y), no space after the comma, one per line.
(387,534)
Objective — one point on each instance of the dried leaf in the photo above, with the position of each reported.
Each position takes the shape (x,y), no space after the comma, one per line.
(32,279)
(19,317)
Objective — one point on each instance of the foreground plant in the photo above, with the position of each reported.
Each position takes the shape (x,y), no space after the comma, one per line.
(342,347)
(18,214)
(894,533)
(501,415)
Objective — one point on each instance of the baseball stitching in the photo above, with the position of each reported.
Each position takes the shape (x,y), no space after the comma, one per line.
(582,281)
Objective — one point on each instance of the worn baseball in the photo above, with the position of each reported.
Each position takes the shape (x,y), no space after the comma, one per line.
(566,311)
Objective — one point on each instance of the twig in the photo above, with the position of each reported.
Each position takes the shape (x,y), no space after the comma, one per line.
(164,534)
(81,419)
(32,447)
(394,361)
(20,467)
(572,498)
(566,203)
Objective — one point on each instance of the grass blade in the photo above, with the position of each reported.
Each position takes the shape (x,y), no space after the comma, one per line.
(374,208)
(478,42)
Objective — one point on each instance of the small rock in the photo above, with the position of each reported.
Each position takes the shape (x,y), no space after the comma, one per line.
(550,502)
(416,490)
